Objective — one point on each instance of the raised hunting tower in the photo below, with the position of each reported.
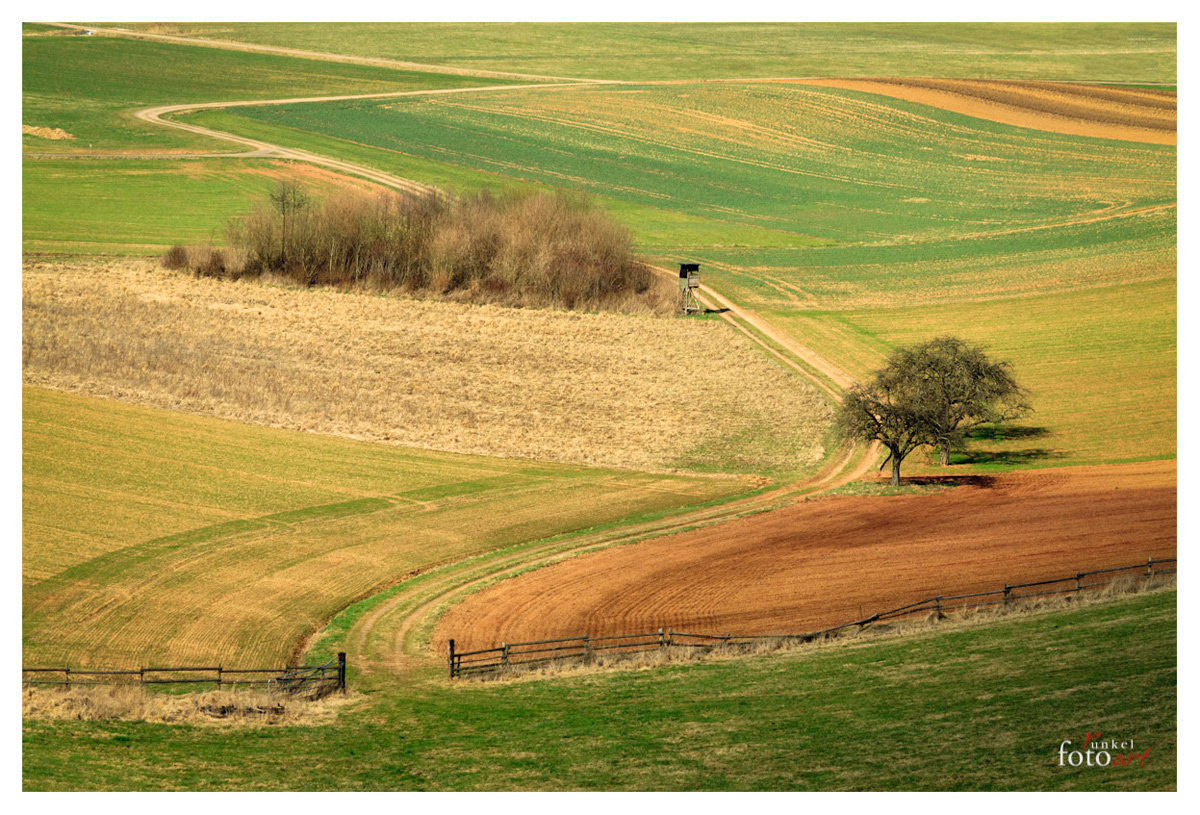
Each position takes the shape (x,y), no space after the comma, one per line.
(689,281)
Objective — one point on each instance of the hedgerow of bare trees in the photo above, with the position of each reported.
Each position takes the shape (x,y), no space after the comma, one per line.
(540,250)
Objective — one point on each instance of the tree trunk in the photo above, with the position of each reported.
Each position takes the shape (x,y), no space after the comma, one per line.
(895,471)
(944,454)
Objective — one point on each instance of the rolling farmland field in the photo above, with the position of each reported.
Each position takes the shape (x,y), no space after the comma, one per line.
(901,221)
(237,471)
(160,537)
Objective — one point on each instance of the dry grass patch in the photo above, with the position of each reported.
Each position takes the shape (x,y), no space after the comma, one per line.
(133,703)
(52,133)
(629,391)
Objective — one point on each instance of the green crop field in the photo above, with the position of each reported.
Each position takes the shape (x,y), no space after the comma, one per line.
(1069,51)
(834,165)
(980,708)
(132,207)
(88,86)
(142,527)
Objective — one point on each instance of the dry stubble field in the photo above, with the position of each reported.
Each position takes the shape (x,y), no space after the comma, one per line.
(628,391)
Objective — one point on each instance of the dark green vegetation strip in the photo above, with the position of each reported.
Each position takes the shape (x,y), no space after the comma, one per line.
(1068,51)
(87,86)
(981,708)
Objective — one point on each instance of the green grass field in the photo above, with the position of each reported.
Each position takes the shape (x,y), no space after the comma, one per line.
(1099,363)
(977,708)
(89,86)
(1071,51)
(131,207)
(143,527)
(840,166)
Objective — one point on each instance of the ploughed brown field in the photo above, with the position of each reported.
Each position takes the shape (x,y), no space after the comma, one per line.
(1106,112)
(813,564)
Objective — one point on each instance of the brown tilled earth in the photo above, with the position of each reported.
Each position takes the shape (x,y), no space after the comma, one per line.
(1128,114)
(815,564)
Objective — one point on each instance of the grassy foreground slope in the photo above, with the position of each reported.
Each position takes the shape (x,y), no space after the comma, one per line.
(977,708)
(1126,52)
(159,536)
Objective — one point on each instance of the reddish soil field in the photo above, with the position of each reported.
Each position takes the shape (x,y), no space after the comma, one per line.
(813,564)
(1107,112)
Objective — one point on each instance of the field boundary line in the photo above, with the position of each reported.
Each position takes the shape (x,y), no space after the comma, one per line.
(308,681)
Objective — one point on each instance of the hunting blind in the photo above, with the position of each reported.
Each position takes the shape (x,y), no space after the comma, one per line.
(689,281)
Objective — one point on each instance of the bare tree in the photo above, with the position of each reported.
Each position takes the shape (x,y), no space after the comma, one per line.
(931,394)
(288,199)
(888,409)
(962,387)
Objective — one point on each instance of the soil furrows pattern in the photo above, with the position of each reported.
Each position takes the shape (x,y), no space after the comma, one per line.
(812,564)
(1131,114)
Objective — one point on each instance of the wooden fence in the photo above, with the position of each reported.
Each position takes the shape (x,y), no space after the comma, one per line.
(304,681)
(585,648)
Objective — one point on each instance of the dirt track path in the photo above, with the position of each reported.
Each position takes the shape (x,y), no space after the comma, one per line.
(155,115)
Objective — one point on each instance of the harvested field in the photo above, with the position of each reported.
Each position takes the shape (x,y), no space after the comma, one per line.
(628,391)
(831,560)
(157,537)
(1126,114)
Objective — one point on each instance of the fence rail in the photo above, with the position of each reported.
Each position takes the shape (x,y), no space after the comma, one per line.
(583,648)
(305,681)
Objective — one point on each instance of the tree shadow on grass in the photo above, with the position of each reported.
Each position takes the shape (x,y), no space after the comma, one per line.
(1008,458)
(999,432)
(982,481)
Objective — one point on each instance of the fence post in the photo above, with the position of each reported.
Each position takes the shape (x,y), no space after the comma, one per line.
(451,659)
(342,671)
(587,648)
(937,606)
(1150,566)
(1007,589)
(504,653)
(1078,581)
(662,641)
(67,673)
(219,683)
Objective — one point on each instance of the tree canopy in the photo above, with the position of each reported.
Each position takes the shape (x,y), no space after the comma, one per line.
(931,394)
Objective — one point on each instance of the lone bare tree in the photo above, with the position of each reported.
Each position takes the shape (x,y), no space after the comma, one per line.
(930,394)
(962,387)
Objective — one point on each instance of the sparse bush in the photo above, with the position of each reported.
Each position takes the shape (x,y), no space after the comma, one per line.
(175,259)
(548,250)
